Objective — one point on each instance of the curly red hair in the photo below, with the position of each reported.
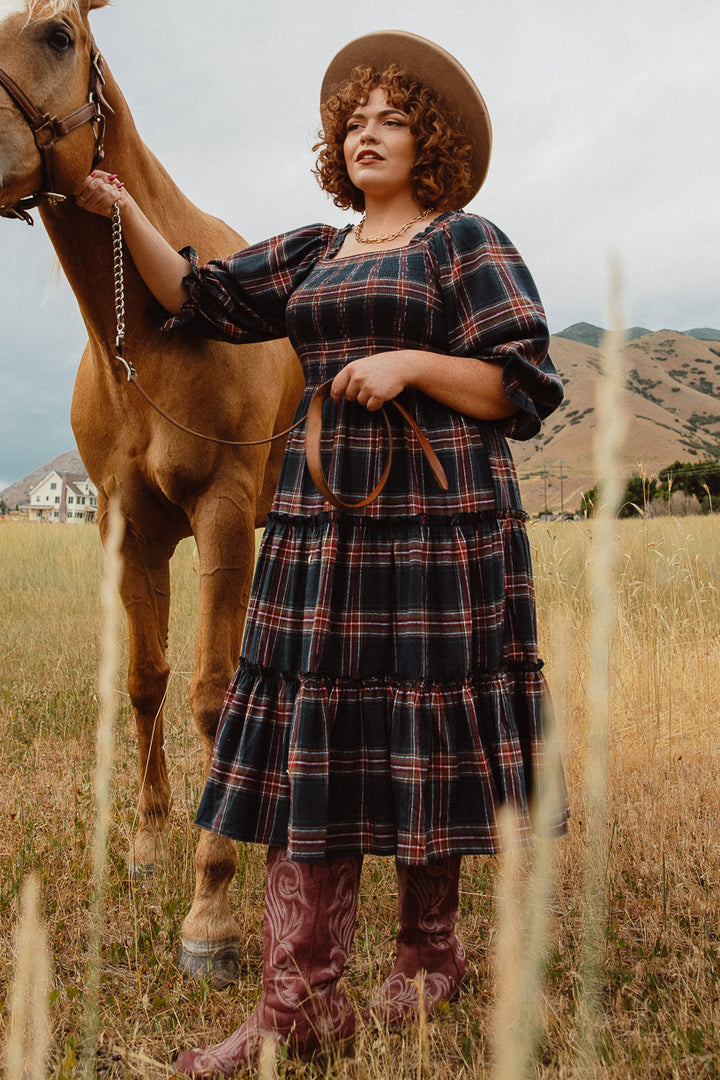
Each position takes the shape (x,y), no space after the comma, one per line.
(441,174)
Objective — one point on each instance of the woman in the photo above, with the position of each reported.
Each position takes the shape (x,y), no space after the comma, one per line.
(389,694)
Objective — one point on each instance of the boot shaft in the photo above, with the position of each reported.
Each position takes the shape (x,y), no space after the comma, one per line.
(309,924)
(426,942)
(428,898)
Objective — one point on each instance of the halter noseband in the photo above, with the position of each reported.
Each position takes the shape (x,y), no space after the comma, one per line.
(47,130)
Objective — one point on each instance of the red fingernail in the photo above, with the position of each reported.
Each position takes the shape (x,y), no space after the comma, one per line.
(119,186)
(112,176)
(92,173)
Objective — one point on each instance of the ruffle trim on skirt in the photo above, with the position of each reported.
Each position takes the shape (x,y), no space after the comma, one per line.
(415,769)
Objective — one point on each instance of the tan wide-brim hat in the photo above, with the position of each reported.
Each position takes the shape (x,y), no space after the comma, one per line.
(433,67)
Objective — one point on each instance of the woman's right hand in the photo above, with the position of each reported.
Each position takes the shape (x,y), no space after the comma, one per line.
(99,192)
(161,267)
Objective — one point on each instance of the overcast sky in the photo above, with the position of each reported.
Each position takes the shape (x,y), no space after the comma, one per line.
(606,142)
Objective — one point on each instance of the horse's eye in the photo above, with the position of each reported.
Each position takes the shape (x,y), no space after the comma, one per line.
(59,39)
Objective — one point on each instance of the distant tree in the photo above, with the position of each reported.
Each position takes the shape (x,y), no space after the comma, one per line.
(699,481)
(589,502)
(638,494)
(3,507)
(698,478)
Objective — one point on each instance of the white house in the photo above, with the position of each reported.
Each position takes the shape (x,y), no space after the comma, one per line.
(63,497)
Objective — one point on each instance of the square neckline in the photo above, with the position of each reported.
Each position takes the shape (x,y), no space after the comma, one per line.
(331,255)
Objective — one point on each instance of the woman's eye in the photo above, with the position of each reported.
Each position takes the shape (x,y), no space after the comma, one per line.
(59,39)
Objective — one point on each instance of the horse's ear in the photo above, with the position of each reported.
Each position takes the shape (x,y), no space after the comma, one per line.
(97,4)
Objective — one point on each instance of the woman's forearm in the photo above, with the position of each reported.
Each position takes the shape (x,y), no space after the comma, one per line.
(159,265)
(469,385)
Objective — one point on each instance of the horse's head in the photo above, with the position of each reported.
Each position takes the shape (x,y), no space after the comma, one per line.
(48,128)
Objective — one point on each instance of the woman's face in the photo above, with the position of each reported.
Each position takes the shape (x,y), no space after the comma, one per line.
(379,148)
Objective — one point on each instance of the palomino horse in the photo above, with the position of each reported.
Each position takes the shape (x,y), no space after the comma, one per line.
(168,484)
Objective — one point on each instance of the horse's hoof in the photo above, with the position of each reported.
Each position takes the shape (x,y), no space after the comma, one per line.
(146,855)
(217,961)
(140,872)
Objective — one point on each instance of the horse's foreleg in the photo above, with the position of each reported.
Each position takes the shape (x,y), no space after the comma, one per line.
(226,550)
(145,593)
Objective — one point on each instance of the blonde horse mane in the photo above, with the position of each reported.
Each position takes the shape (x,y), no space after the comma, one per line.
(51,7)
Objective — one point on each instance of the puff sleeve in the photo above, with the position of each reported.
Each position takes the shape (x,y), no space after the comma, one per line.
(243,298)
(494,313)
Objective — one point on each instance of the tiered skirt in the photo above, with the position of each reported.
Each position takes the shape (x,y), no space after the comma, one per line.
(389,697)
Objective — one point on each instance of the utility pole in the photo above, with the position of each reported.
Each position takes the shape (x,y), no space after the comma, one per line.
(545,486)
(562,501)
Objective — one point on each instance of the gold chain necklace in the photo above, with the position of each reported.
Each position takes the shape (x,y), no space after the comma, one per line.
(358,230)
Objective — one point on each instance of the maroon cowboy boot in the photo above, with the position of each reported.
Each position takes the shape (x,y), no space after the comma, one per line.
(427,911)
(308,929)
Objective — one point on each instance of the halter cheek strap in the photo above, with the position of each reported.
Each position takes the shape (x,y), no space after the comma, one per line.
(47,130)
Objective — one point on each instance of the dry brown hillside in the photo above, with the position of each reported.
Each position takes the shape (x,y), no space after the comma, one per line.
(672,402)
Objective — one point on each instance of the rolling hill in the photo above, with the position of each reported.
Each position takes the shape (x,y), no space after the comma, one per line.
(671,402)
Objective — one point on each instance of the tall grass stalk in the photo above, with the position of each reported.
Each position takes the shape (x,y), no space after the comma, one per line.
(423,1058)
(603,592)
(524,896)
(28,1041)
(107,699)
(267,1063)
(508,953)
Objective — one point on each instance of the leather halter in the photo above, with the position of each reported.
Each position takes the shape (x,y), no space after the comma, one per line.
(47,130)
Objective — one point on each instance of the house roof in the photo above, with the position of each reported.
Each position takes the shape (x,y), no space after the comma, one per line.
(44,480)
(70,479)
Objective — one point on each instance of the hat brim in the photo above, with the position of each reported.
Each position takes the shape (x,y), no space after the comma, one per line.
(433,67)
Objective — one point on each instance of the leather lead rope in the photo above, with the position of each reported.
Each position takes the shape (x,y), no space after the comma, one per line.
(313,442)
(313,419)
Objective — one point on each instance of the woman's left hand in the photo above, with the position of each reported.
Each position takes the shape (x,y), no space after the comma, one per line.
(372,380)
(467,384)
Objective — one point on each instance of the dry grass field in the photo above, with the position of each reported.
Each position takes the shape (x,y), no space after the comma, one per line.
(657,1008)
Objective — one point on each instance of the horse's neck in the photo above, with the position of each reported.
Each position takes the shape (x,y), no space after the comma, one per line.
(83,241)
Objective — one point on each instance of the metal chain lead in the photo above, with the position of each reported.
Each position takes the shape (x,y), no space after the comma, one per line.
(119,277)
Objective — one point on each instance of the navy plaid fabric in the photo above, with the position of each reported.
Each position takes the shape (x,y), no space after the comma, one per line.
(389,696)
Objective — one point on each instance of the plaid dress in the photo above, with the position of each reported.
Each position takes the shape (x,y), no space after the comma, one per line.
(389,696)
